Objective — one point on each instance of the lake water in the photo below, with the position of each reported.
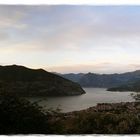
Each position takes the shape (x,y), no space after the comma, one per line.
(91,98)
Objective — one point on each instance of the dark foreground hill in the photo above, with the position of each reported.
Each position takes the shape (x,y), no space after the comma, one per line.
(103,80)
(23,81)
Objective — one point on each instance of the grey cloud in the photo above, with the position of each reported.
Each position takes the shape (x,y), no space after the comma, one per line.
(4,36)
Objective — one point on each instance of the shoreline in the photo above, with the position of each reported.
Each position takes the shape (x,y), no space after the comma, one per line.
(104,118)
(131,107)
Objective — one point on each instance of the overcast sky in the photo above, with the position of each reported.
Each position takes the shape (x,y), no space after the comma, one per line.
(101,39)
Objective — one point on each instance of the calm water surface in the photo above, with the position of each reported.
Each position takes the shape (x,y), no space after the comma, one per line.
(91,98)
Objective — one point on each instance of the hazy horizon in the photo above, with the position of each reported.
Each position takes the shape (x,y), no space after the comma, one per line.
(55,72)
(71,39)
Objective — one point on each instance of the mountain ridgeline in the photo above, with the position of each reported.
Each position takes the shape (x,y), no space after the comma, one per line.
(22,81)
(105,80)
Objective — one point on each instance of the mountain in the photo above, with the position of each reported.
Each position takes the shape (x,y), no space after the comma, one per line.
(133,86)
(103,80)
(73,77)
(22,81)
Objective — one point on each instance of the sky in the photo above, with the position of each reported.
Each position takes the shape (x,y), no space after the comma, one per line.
(71,38)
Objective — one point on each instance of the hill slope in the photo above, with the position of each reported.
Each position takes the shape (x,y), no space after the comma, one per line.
(103,80)
(23,81)
(134,86)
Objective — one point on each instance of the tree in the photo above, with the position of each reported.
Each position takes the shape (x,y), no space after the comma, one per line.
(19,116)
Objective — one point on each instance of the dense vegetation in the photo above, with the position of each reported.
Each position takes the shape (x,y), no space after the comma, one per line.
(19,116)
(133,86)
(122,120)
(102,123)
(22,81)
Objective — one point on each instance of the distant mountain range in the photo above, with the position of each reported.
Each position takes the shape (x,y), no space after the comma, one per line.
(22,81)
(104,80)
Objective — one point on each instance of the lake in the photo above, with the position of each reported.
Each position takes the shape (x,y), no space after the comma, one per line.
(79,102)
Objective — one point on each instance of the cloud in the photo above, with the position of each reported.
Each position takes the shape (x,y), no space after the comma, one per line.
(95,67)
(4,36)
(101,68)
(70,28)
(71,37)
(11,17)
